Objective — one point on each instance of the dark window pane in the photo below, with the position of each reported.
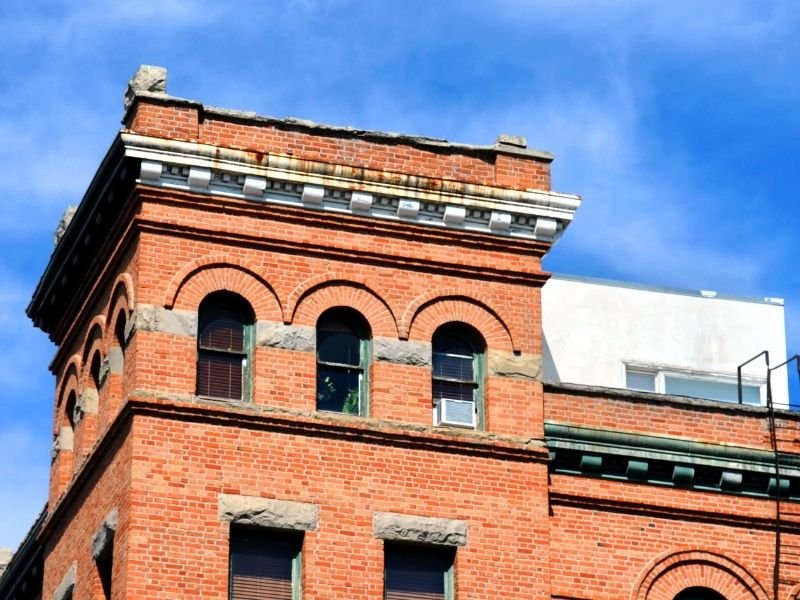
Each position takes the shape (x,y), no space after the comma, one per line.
(261,565)
(453,366)
(416,573)
(337,343)
(451,344)
(221,328)
(219,375)
(338,389)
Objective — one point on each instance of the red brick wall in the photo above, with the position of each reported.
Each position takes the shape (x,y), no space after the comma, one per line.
(705,421)
(180,544)
(173,121)
(68,538)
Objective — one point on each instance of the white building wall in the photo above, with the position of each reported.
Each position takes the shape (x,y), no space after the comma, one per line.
(594,328)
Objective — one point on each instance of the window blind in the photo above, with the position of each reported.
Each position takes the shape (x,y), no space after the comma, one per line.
(416,572)
(261,565)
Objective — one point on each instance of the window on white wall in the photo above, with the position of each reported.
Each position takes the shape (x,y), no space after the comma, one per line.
(710,387)
(640,380)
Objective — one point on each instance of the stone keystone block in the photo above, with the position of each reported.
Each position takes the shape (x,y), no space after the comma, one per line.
(263,512)
(426,530)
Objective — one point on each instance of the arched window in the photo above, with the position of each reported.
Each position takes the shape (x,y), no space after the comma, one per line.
(458,376)
(119,328)
(69,409)
(224,341)
(94,369)
(699,593)
(342,361)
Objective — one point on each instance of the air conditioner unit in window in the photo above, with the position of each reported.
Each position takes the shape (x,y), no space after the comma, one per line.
(456,412)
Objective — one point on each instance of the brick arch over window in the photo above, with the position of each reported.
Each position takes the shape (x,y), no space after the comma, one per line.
(668,575)
(202,277)
(94,339)
(435,312)
(121,304)
(320,296)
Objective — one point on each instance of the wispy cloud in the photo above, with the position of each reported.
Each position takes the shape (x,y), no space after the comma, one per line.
(25,477)
(683,24)
(23,372)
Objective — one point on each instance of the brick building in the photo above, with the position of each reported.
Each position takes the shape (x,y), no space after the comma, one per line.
(304,361)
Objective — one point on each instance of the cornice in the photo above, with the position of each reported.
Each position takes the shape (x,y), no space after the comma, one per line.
(285,180)
(668,461)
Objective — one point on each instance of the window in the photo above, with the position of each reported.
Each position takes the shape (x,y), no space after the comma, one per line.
(413,572)
(264,565)
(119,328)
(722,388)
(342,362)
(223,347)
(69,409)
(94,369)
(640,380)
(105,568)
(457,376)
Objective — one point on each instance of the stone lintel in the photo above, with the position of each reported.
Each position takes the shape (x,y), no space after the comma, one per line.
(116,360)
(287,337)
(87,404)
(157,319)
(265,512)
(425,530)
(518,366)
(63,441)
(67,585)
(401,352)
(103,540)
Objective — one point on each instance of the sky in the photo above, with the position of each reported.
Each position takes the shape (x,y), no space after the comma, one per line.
(677,122)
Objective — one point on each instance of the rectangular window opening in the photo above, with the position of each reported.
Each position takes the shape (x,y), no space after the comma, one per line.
(719,388)
(265,564)
(105,565)
(417,572)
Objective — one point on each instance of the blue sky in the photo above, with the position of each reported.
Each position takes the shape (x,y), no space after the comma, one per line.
(676,121)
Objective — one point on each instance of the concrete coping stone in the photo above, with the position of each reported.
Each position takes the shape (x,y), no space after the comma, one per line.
(266,512)
(424,530)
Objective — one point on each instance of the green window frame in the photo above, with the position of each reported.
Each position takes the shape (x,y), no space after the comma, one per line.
(418,572)
(343,351)
(265,564)
(224,347)
(457,376)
